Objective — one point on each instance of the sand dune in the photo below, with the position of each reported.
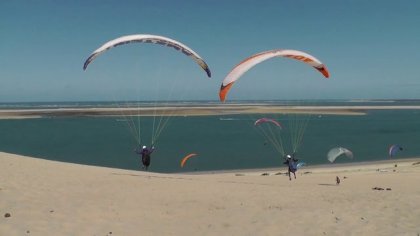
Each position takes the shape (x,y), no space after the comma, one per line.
(53,198)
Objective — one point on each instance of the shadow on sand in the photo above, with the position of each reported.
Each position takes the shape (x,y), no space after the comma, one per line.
(328,184)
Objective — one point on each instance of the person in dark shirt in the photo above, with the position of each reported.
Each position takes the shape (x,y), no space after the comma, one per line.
(145,156)
(291,162)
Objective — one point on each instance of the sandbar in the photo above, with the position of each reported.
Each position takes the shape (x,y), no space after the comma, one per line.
(194,110)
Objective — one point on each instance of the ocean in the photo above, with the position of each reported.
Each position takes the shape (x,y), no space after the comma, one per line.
(223,142)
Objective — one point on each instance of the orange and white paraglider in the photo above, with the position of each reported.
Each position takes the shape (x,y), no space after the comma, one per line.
(297,122)
(253,60)
(185,159)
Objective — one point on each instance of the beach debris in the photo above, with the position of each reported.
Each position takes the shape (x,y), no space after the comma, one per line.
(27,231)
(7,215)
(275,207)
(395,165)
(362,218)
(345,177)
(416,163)
(239,174)
(51,211)
(265,174)
(307,172)
(377,188)
(337,180)
(279,173)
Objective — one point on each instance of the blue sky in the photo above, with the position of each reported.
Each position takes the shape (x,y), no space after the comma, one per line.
(371,48)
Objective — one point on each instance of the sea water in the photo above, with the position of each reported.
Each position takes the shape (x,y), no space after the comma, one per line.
(220,142)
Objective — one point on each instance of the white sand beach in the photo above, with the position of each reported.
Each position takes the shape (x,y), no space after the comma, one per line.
(41,197)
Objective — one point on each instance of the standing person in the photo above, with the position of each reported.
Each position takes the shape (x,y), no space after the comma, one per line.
(145,156)
(291,162)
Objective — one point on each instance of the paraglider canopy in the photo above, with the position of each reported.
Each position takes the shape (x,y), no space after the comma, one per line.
(253,60)
(264,120)
(394,149)
(147,38)
(163,114)
(338,151)
(184,160)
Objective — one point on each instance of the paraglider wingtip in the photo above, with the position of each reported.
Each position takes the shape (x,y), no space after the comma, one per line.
(224,89)
(208,73)
(222,96)
(85,66)
(325,72)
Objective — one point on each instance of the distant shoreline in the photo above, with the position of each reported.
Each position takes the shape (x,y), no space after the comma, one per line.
(207,110)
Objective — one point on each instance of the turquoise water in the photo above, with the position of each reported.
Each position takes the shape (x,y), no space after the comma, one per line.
(221,142)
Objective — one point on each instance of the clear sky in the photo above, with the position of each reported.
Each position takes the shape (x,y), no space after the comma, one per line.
(372,48)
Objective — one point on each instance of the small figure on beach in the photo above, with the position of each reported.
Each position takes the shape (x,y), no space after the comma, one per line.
(337,180)
(291,162)
(145,155)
